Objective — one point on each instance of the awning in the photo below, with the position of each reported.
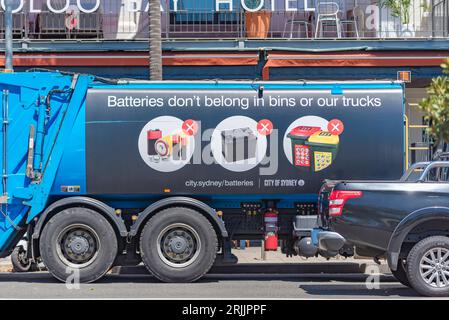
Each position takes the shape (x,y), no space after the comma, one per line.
(354,59)
(210,59)
(132,59)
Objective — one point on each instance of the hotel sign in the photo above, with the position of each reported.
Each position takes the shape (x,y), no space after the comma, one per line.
(90,6)
(36,6)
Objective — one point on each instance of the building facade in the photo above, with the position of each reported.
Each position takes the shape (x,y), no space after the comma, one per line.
(242,39)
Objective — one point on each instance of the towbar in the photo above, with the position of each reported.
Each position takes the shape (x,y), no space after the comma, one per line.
(327,240)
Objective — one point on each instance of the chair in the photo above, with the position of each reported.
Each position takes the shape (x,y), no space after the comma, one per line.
(89,25)
(298,21)
(351,20)
(18,24)
(328,12)
(52,24)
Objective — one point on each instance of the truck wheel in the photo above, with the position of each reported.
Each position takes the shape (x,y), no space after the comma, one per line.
(428,266)
(78,239)
(401,274)
(19,260)
(178,245)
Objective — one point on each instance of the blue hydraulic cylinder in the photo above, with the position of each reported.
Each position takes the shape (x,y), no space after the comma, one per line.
(40,133)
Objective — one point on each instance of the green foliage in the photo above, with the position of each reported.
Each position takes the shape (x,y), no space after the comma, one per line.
(399,9)
(426,7)
(436,107)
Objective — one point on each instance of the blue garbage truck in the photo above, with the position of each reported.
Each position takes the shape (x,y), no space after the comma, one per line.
(101,172)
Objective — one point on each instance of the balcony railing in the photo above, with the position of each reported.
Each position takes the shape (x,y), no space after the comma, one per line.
(335,19)
(440,18)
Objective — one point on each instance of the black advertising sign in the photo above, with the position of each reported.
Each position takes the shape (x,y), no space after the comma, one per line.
(142,141)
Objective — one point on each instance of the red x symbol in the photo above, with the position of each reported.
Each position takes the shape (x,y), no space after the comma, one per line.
(265,127)
(190,127)
(336,127)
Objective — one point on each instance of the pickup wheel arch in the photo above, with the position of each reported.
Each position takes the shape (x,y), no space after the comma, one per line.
(407,225)
(100,207)
(203,208)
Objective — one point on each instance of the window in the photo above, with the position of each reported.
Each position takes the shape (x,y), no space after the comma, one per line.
(438,174)
(203,12)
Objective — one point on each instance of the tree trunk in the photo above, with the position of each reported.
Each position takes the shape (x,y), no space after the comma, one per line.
(155,40)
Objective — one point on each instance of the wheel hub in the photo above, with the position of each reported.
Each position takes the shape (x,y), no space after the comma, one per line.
(78,245)
(22,257)
(433,267)
(178,245)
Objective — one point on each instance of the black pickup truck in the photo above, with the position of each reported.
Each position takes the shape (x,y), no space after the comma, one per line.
(404,221)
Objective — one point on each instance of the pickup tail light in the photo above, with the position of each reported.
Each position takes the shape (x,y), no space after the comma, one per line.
(337,200)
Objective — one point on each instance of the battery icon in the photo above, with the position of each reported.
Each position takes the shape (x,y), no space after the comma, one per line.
(152,137)
(323,148)
(301,155)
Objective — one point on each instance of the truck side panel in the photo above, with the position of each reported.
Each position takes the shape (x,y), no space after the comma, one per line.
(124,123)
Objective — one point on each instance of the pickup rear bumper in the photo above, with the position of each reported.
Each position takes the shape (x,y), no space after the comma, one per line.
(327,241)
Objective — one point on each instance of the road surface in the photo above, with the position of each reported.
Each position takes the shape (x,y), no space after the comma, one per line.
(138,286)
(276,277)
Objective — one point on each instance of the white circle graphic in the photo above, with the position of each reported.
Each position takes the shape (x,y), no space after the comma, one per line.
(163,146)
(237,145)
(312,121)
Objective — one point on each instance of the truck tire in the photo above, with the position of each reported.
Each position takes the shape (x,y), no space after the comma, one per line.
(401,273)
(78,239)
(19,261)
(428,267)
(178,245)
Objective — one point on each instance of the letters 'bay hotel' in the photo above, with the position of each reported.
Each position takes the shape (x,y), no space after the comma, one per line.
(242,39)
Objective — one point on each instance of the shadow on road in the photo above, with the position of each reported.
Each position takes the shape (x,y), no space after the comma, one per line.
(268,268)
(290,268)
(359,290)
(45,277)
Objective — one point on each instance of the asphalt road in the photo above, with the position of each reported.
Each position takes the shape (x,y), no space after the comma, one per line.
(297,286)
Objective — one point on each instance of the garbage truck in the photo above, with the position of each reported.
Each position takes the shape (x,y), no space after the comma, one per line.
(107,172)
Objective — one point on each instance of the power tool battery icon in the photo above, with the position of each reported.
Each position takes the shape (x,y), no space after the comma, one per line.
(163,147)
